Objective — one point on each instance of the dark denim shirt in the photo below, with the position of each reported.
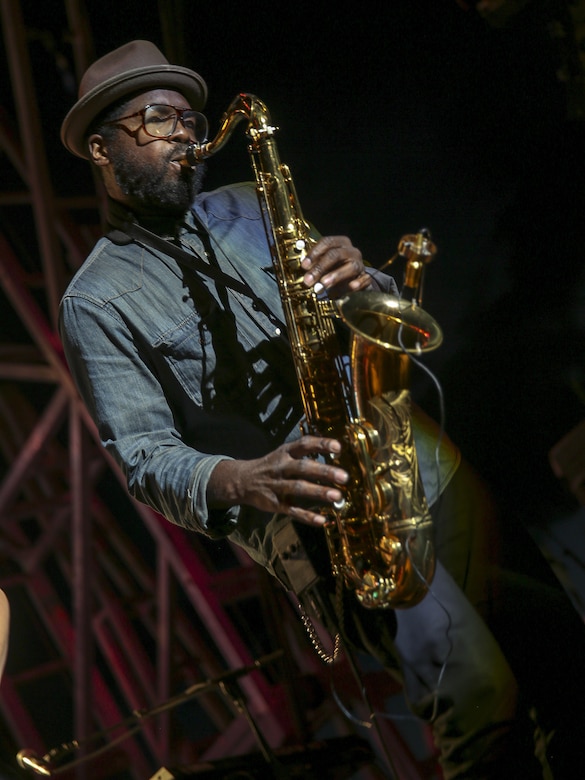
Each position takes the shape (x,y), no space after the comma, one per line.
(179,373)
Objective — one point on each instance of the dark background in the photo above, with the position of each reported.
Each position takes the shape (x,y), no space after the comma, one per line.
(393,116)
(406,114)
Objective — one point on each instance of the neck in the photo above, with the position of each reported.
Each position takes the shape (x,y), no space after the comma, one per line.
(162,224)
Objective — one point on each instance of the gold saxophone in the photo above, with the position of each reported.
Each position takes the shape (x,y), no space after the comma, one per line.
(380,537)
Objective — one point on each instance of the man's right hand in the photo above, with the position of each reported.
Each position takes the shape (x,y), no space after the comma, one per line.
(286,481)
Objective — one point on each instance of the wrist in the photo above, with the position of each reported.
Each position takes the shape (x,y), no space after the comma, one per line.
(224,485)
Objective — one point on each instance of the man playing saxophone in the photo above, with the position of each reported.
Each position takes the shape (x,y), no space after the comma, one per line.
(173,330)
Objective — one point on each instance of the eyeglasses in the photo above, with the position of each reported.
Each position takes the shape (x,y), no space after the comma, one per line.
(161,122)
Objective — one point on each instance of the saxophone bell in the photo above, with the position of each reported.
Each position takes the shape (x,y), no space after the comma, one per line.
(382,542)
(390,322)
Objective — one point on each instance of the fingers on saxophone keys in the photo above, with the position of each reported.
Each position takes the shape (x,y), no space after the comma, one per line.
(314,445)
(306,495)
(307,517)
(323,477)
(311,276)
(360,282)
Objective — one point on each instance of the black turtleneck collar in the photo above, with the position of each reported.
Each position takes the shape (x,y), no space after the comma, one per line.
(119,215)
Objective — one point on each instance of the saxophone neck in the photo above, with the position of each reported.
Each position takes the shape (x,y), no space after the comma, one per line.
(243,107)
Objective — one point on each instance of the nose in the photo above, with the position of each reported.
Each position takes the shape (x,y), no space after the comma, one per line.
(181,133)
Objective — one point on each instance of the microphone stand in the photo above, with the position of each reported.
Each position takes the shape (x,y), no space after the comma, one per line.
(232,691)
(225,682)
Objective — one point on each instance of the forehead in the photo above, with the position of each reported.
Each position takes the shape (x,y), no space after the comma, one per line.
(165,97)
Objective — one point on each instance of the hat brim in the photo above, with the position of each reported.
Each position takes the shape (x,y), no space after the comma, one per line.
(173,77)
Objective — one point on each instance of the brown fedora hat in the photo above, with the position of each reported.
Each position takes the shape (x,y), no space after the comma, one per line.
(136,66)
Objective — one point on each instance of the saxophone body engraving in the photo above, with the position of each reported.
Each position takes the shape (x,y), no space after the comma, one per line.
(380,538)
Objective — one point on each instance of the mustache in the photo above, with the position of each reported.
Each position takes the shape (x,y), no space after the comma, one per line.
(177,153)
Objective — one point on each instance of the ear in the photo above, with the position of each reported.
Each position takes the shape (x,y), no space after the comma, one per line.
(97,150)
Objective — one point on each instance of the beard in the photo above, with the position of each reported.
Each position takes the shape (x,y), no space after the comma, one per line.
(159,188)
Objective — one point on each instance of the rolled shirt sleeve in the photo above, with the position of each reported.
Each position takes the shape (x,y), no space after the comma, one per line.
(135,422)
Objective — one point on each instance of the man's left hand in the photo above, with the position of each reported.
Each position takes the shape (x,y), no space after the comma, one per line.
(337,264)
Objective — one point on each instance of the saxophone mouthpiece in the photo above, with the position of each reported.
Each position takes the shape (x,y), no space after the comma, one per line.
(190,158)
